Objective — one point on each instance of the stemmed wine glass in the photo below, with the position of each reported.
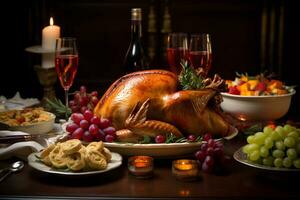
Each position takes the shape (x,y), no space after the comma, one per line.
(200,53)
(66,62)
(177,50)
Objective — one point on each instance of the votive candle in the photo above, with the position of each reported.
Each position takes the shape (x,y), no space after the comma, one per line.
(185,169)
(141,166)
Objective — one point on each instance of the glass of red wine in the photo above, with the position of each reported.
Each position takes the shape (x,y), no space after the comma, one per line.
(177,51)
(200,54)
(66,62)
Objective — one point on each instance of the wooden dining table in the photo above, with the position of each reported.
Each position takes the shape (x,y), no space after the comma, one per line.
(237,181)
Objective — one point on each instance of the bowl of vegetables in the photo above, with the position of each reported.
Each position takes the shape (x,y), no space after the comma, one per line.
(29,120)
(257,98)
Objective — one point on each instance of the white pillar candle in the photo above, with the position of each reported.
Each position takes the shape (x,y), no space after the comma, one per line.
(49,35)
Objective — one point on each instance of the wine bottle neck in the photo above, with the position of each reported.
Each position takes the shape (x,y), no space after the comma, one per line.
(136,29)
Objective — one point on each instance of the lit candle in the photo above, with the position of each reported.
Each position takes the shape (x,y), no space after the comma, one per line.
(186,170)
(141,166)
(49,36)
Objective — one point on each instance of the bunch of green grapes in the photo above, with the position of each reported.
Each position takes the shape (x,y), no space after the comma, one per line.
(279,147)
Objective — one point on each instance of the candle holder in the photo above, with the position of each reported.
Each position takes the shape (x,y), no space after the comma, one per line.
(46,73)
(47,78)
(141,166)
(185,170)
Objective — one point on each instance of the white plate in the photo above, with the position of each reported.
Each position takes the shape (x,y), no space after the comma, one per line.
(155,150)
(241,157)
(158,150)
(33,161)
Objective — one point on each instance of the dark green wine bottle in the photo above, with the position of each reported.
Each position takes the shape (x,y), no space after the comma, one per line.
(135,59)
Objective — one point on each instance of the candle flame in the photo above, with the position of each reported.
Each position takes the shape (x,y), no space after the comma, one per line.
(184,165)
(51,21)
(184,192)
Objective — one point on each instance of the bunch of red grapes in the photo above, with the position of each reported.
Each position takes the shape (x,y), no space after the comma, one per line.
(88,127)
(83,101)
(211,155)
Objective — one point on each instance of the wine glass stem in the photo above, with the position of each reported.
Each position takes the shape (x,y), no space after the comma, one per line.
(67,103)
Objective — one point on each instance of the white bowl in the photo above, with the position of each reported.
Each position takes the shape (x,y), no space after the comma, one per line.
(257,108)
(36,128)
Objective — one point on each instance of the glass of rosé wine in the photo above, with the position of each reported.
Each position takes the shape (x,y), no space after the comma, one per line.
(177,51)
(200,54)
(66,62)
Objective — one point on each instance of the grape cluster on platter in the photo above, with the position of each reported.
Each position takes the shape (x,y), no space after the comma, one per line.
(275,147)
(211,155)
(83,101)
(89,127)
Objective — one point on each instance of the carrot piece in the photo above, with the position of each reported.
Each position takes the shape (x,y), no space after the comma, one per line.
(275,84)
(253,84)
(281,91)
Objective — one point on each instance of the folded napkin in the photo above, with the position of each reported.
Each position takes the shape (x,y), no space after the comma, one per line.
(23,149)
(16,103)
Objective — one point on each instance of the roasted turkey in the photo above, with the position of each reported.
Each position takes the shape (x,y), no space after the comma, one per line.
(150,103)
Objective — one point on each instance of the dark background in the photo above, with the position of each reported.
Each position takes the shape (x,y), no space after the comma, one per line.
(247,36)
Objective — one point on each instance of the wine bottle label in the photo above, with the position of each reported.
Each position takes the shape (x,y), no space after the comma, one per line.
(136,14)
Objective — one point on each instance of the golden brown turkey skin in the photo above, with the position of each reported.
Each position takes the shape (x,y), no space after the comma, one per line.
(186,110)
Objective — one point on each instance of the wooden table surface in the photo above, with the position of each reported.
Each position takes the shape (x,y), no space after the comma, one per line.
(238,182)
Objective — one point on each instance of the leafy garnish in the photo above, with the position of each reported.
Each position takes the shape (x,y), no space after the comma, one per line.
(170,138)
(181,140)
(198,139)
(189,79)
(39,159)
(58,108)
(146,139)
(254,129)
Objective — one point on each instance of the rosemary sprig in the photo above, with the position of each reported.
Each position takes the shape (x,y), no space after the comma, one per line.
(189,79)
(199,139)
(57,107)
(181,140)
(170,138)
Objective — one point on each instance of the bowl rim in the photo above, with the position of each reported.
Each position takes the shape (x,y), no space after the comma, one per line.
(225,94)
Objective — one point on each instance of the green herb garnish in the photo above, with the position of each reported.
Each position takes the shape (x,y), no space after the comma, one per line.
(253,129)
(188,78)
(181,140)
(58,108)
(170,138)
(146,139)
